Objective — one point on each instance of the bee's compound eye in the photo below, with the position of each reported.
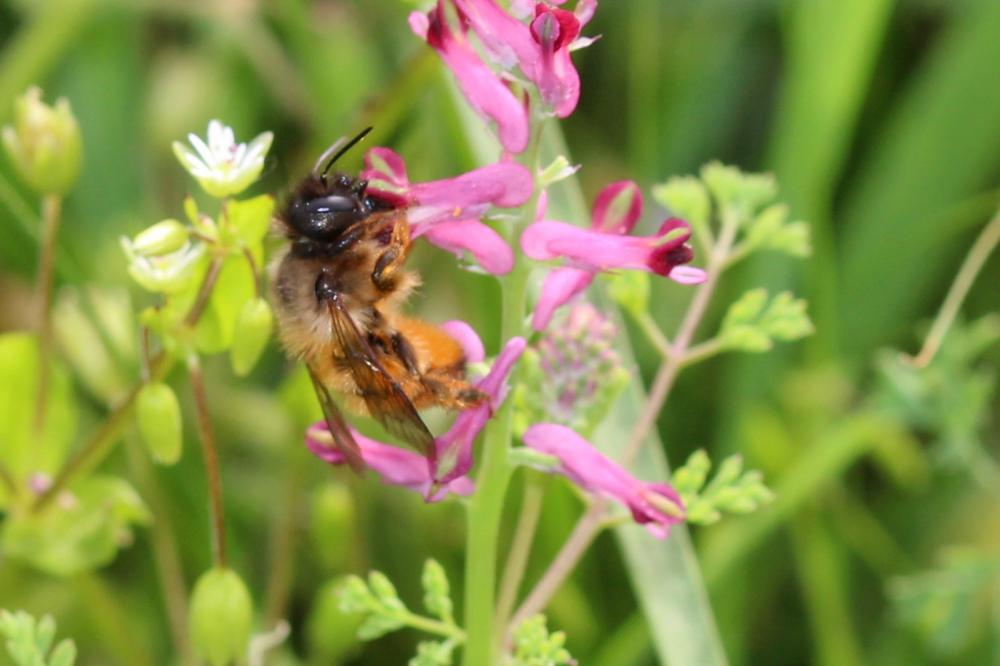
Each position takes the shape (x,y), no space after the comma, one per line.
(324,218)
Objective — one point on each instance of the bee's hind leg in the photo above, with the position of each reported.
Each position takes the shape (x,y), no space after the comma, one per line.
(387,266)
(452,392)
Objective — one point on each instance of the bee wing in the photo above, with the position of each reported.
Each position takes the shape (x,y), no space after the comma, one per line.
(386,401)
(342,436)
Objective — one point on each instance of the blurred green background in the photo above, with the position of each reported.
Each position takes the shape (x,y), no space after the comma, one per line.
(881,121)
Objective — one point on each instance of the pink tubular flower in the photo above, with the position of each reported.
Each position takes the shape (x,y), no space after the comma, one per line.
(541,49)
(447,473)
(454,448)
(484,90)
(655,505)
(606,245)
(447,212)
(396,466)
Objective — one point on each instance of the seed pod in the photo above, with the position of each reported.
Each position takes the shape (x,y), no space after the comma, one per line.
(253,330)
(159,417)
(163,237)
(220,615)
(44,143)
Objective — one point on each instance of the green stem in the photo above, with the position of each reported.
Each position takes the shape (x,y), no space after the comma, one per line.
(486,506)
(51,213)
(433,626)
(654,334)
(210,456)
(980,251)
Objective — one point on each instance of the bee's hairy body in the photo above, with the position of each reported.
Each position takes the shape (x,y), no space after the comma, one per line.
(360,266)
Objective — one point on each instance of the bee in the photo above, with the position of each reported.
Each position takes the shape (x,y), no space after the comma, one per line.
(338,289)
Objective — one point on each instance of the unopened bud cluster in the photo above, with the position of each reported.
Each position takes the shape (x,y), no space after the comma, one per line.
(44,143)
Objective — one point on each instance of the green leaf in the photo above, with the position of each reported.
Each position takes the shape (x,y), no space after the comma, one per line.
(748,326)
(235,286)
(535,646)
(433,653)
(81,531)
(437,594)
(247,223)
(23,451)
(376,626)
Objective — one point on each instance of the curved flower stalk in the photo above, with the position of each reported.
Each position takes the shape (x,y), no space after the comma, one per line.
(448,212)
(221,166)
(454,457)
(606,245)
(656,506)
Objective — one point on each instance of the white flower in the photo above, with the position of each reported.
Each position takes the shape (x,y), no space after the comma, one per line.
(167,273)
(223,167)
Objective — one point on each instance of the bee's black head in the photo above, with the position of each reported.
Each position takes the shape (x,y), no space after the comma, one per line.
(326,204)
(322,209)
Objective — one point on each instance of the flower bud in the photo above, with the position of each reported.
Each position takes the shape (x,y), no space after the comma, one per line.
(44,143)
(253,330)
(168,273)
(220,615)
(159,417)
(162,238)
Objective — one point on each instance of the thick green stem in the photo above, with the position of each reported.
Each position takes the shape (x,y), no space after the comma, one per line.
(486,507)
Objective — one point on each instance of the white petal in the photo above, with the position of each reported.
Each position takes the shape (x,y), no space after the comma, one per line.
(206,155)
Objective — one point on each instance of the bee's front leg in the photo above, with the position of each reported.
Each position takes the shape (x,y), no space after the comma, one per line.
(391,260)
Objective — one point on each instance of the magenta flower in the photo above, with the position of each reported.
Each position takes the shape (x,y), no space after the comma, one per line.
(540,49)
(396,466)
(447,212)
(454,448)
(447,472)
(488,95)
(606,245)
(655,505)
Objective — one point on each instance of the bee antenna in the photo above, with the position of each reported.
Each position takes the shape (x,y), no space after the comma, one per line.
(336,151)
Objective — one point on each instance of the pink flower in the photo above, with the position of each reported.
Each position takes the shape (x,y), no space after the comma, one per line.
(606,245)
(541,49)
(447,472)
(396,466)
(488,95)
(454,448)
(447,212)
(655,505)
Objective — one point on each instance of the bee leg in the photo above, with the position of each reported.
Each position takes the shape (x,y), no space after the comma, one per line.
(406,353)
(390,261)
(451,392)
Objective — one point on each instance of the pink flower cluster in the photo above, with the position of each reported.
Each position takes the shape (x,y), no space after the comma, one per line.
(527,49)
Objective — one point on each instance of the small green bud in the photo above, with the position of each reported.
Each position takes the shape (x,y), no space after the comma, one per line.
(168,273)
(559,169)
(159,417)
(161,238)
(331,525)
(220,616)
(44,143)
(253,330)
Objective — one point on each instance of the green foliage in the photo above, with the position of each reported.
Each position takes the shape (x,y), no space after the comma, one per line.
(433,653)
(630,290)
(535,646)
(731,490)
(330,631)
(83,528)
(29,640)
(753,322)
(951,398)
(951,604)
(384,612)
(25,451)
(220,614)
(253,330)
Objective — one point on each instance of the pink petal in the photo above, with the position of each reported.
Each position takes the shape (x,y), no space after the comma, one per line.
(560,285)
(584,11)
(454,448)
(504,184)
(460,236)
(488,95)
(395,466)
(556,77)
(617,208)
(467,337)
(507,39)
(655,505)
(687,275)
(585,248)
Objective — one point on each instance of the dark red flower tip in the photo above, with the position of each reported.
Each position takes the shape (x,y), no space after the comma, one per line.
(673,253)
(557,29)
